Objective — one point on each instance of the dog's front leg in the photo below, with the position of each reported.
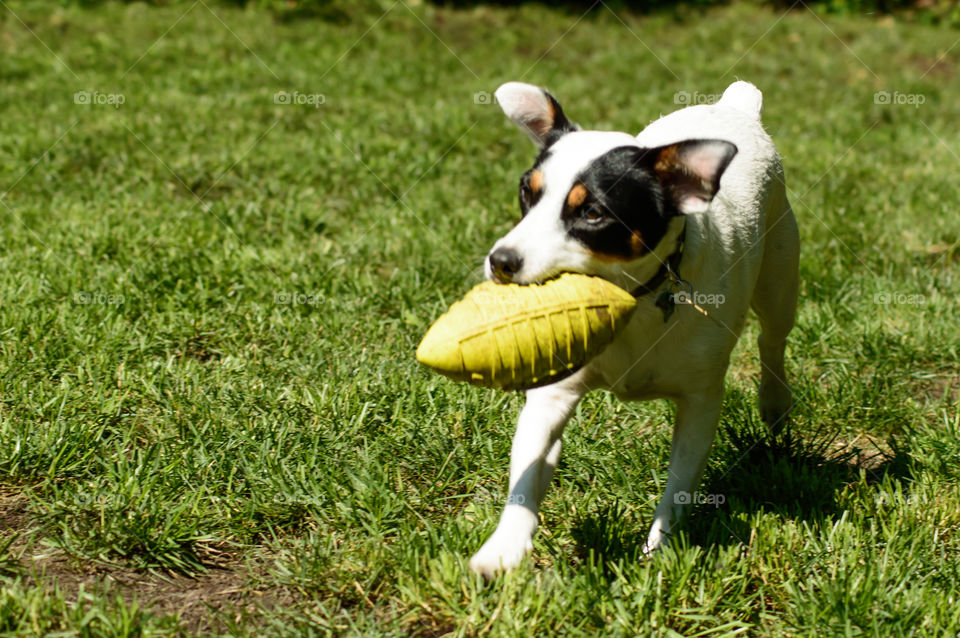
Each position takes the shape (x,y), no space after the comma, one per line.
(696,426)
(533,458)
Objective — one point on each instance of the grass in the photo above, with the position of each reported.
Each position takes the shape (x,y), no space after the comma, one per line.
(210,416)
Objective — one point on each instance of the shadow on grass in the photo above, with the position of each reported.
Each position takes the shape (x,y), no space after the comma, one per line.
(793,477)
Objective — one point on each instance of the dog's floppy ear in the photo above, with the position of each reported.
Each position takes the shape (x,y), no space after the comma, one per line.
(535,111)
(690,171)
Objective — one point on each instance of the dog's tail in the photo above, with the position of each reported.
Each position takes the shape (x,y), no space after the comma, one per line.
(745,97)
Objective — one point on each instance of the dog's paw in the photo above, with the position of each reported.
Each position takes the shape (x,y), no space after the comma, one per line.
(657,539)
(653,545)
(500,555)
(775,404)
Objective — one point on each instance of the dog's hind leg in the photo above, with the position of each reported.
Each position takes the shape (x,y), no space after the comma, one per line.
(533,458)
(693,434)
(775,302)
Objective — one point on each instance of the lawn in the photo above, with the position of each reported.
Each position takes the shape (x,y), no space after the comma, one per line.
(224,234)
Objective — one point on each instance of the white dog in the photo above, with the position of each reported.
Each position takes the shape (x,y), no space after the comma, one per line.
(692,216)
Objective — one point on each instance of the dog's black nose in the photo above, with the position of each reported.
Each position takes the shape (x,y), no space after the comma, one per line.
(505,263)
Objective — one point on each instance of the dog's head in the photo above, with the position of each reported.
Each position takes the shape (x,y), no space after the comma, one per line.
(597,202)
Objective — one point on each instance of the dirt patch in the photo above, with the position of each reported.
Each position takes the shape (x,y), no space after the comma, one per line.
(936,66)
(941,387)
(205,603)
(13,511)
(865,453)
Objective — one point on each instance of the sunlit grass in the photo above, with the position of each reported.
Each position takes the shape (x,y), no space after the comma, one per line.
(212,297)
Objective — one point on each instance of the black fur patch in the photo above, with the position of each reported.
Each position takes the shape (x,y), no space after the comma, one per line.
(626,211)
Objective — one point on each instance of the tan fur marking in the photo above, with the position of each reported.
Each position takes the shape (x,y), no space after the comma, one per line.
(578,194)
(536,182)
(636,249)
(610,259)
(543,125)
(672,171)
(668,161)
(636,244)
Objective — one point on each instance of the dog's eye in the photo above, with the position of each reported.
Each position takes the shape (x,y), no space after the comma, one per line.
(591,214)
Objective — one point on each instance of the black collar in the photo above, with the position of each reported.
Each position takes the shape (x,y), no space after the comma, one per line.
(670,267)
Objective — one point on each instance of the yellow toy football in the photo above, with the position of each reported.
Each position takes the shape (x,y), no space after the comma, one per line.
(517,337)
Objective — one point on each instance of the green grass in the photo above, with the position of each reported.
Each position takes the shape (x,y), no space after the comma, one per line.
(211,301)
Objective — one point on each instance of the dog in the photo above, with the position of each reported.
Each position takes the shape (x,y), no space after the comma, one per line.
(692,216)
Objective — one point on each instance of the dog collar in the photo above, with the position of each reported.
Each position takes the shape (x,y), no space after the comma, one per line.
(668,270)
